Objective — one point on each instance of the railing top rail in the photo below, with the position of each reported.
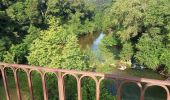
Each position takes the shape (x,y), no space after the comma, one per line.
(111,76)
(138,79)
(51,69)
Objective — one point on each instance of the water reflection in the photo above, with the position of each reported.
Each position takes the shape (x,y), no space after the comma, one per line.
(91,40)
(95,45)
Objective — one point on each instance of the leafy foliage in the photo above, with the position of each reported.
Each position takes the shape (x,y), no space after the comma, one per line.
(126,52)
(56,48)
(144,24)
(149,51)
(126,17)
(17,12)
(44,33)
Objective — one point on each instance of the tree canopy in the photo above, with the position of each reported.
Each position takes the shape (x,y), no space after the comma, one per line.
(55,47)
(46,33)
(29,34)
(145,25)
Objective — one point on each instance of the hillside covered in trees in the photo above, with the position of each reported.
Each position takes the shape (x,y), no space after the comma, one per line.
(46,32)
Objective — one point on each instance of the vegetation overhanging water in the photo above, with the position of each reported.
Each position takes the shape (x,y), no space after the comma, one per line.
(46,32)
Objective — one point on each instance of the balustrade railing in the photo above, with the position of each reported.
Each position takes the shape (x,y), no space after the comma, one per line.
(142,83)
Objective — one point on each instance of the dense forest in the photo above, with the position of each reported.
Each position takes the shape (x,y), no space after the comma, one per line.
(46,33)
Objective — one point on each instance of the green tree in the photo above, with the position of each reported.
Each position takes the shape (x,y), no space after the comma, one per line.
(144,24)
(4,46)
(72,56)
(126,18)
(33,33)
(59,49)
(56,48)
(78,27)
(9,58)
(127,52)
(153,43)
(34,11)
(19,51)
(149,51)
(17,12)
(165,58)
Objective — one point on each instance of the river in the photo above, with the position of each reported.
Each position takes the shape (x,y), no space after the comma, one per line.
(130,92)
(93,41)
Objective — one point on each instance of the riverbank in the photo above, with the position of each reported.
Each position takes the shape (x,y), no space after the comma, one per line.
(93,41)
